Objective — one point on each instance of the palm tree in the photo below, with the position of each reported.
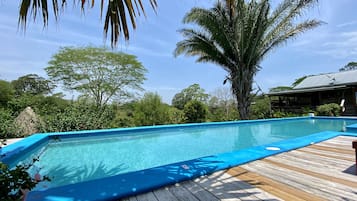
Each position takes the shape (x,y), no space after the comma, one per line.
(115,17)
(238,34)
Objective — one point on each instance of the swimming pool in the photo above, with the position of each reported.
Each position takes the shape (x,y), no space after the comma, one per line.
(173,153)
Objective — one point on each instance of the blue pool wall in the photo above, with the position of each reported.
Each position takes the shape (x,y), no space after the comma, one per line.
(123,185)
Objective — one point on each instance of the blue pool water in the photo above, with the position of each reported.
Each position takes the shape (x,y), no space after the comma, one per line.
(72,160)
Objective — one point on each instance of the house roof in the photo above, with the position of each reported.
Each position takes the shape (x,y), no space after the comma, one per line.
(329,79)
(323,82)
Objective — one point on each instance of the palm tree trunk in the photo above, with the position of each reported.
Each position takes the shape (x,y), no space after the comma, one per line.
(242,87)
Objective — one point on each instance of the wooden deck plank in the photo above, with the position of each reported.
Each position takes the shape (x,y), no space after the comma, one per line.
(307,183)
(227,187)
(329,154)
(146,197)
(199,192)
(337,177)
(333,149)
(182,193)
(269,185)
(164,194)
(337,164)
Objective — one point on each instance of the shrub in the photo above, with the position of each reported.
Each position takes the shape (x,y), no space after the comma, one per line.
(79,116)
(261,108)
(331,109)
(16,182)
(195,112)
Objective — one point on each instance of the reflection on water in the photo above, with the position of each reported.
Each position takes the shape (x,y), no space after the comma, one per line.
(74,160)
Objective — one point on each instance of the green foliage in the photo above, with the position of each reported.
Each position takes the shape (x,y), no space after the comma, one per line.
(280,114)
(97,73)
(32,84)
(238,34)
(350,66)
(222,109)
(42,105)
(175,116)
(150,110)
(193,92)
(195,112)
(331,109)
(16,182)
(124,116)
(6,92)
(261,108)
(6,123)
(79,115)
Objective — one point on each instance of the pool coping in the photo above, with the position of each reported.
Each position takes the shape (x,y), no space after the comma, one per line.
(127,184)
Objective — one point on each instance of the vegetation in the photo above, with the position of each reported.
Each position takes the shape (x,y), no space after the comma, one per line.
(195,112)
(331,109)
(238,34)
(32,84)
(193,92)
(97,73)
(350,66)
(115,19)
(16,182)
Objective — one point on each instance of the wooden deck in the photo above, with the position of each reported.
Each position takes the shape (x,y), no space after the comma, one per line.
(324,171)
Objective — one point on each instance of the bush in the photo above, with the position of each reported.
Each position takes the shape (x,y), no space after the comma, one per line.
(195,112)
(7,127)
(79,116)
(331,109)
(261,108)
(16,182)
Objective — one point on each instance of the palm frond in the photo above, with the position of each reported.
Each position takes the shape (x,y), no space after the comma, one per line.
(115,19)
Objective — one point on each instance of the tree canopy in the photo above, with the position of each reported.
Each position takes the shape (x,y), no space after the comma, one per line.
(238,34)
(115,20)
(350,66)
(193,92)
(6,92)
(32,84)
(98,73)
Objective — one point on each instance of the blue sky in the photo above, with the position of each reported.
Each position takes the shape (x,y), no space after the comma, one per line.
(321,50)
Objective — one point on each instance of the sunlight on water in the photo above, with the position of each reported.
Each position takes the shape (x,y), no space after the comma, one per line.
(82,159)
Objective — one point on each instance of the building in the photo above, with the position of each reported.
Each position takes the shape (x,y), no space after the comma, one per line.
(340,88)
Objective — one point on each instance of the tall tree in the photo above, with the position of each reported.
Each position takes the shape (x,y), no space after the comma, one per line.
(97,72)
(32,84)
(238,34)
(6,92)
(150,110)
(115,17)
(193,92)
(350,66)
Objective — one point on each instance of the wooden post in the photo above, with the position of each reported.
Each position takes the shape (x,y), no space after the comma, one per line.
(354,145)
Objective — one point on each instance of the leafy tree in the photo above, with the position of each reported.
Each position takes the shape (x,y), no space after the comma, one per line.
(261,108)
(97,73)
(6,92)
(6,123)
(80,115)
(115,17)
(195,112)
(193,92)
(150,110)
(32,84)
(350,66)
(238,34)
(222,105)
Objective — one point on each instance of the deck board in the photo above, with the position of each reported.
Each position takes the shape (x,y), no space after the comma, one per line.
(322,171)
